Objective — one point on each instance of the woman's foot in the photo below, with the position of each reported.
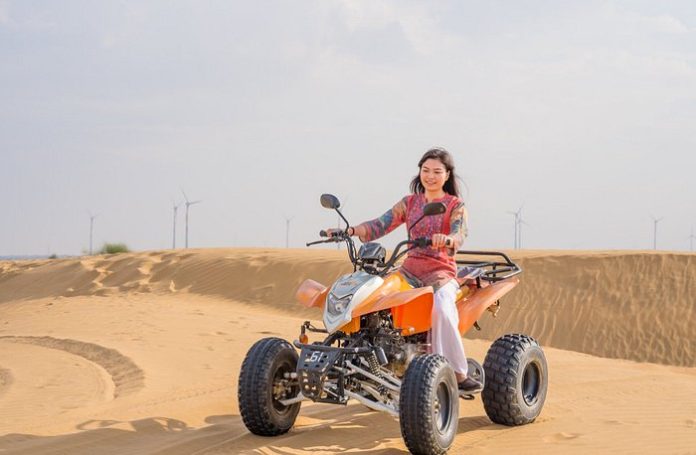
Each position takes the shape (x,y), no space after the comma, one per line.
(470,385)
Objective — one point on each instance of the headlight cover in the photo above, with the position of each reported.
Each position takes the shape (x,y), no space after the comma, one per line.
(337,306)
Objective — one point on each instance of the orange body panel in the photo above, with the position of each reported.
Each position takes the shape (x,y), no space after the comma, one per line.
(472,306)
(414,317)
(312,294)
(393,284)
(411,307)
(352,326)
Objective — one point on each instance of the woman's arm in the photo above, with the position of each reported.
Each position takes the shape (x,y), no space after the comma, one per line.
(379,227)
(459,229)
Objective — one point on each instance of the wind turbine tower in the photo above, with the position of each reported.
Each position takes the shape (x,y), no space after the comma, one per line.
(188,204)
(655,221)
(287,230)
(518,234)
(691,239)
(175,206)
(91,230)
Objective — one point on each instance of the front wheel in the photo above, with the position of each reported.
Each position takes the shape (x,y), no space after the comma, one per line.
(263,382)
(516,380)
(429,405)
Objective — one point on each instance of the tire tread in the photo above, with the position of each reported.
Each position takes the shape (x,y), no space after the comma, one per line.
(501,366)
(416,387)
(252,379)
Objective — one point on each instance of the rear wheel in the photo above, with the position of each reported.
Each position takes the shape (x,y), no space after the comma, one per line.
(429,405)
(263,381)
(516,380)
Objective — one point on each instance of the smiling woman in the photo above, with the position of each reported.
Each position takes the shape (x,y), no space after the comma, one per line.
(432,266)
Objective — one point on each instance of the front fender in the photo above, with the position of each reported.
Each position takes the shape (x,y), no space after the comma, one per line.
(312,294)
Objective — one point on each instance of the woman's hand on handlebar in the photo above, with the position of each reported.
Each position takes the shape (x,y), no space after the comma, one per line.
(441,241)
(332,232)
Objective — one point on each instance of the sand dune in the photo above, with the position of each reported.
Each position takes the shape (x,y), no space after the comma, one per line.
(139,353)
(630,305)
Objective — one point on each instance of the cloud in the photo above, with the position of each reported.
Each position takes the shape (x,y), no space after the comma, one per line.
(415,23)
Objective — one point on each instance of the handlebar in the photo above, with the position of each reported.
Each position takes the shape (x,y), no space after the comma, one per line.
(335,238)
(342,236)
(423,242)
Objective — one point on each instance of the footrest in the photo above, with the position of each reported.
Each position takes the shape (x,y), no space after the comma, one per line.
(466,396)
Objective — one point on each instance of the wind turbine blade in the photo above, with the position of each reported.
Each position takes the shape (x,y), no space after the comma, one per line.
(195,202)
(185,197)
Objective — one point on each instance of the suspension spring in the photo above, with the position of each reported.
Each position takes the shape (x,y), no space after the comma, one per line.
(374,364)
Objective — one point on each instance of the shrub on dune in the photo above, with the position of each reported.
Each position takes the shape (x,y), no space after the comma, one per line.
(114,248)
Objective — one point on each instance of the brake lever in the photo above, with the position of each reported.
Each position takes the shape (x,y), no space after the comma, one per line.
(318,241)
(332,239)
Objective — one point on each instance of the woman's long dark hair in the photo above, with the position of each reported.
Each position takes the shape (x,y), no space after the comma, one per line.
(451,186)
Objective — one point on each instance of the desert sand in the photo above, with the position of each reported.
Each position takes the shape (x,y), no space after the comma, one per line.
(140,353)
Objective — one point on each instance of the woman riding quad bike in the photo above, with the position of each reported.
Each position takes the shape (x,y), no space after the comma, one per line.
(392,341)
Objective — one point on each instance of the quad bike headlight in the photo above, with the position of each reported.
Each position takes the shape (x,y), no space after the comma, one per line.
(337,306)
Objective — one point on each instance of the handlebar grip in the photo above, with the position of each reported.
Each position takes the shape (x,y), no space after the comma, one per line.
(323,233)
(422,242)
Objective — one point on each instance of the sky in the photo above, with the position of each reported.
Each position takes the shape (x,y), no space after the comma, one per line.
(582,113)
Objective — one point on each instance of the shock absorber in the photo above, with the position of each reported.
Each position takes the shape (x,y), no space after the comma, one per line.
(376,358)
(374,364)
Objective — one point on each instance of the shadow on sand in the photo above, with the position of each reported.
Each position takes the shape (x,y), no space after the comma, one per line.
(319,429)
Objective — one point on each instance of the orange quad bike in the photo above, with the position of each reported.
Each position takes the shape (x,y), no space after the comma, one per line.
(376,349)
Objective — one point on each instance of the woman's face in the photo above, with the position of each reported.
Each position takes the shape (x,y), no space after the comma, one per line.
(433,174)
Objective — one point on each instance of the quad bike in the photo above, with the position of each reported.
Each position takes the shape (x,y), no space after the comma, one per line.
(376,349)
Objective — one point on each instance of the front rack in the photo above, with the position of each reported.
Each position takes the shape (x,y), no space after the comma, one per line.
(492,270)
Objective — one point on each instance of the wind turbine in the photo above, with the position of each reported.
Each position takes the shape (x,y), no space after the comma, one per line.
(175,206)
(188,204)
(287,230)
(691,239)
(517,217)
(91,229)
(655,221)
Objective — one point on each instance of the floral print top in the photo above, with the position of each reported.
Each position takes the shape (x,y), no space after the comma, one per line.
(429,266)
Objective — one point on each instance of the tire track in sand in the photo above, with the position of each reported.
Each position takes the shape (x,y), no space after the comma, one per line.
(128,378)
(5,380)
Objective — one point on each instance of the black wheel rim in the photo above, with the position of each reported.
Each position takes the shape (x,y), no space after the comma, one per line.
(531,383)
(288,392)
(442,408)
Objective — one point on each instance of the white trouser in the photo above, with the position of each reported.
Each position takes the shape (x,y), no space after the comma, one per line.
(444,336)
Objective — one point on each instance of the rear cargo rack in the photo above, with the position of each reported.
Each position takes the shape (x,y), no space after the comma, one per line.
(492,270)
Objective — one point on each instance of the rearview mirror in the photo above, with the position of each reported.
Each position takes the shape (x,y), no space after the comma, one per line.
(329,201)
(434,208)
